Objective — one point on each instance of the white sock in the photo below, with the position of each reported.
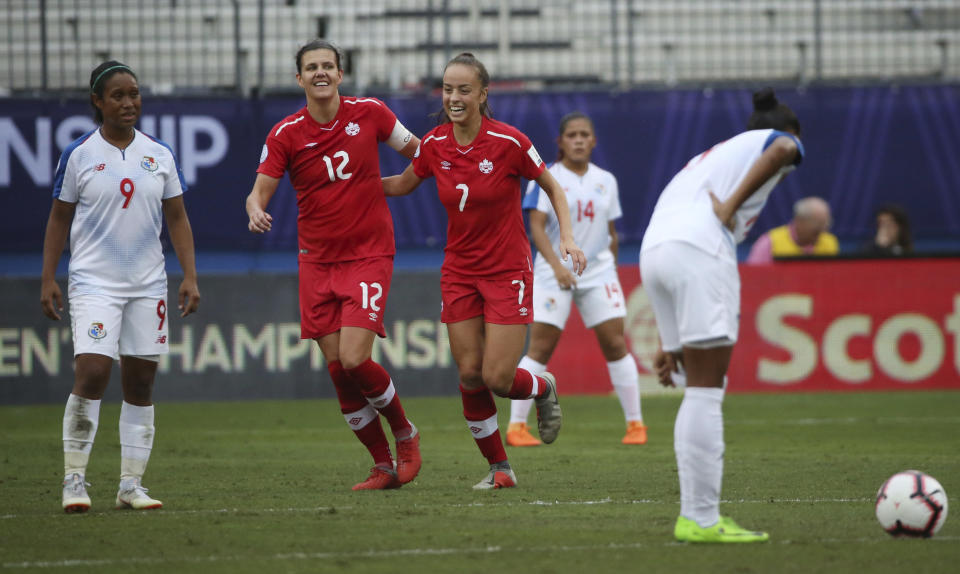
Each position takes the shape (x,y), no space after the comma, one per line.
(520,408)
(698,443)
(626,382)
(80,420)
(136,439)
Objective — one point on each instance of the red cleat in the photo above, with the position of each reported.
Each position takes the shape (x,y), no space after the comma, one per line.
(379,479)
(408,459)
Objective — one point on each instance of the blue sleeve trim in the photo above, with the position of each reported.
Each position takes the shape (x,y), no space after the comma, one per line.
(64,158)
(776,134)
(532,197)
(176,164)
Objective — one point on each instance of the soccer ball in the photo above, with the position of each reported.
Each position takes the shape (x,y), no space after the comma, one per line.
(911,503)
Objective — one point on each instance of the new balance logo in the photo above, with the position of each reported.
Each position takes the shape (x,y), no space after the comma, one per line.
(161,339)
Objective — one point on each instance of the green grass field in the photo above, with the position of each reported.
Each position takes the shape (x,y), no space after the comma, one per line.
(265,487)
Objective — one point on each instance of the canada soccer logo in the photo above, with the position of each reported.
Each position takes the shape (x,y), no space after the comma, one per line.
(149,164)
(96,331)
(486,166)
(352,129)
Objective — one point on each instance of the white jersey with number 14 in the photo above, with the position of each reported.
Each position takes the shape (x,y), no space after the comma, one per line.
(594,202)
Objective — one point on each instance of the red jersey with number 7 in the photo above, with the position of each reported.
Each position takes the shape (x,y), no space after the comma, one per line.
(335,170)
(479,185)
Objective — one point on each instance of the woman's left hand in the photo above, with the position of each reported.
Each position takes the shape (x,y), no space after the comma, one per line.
(189,297)
(721,211)
(569,247)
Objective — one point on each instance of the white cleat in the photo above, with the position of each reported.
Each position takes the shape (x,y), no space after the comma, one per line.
(133,495)
(549,416)
(498,478)
(75,498)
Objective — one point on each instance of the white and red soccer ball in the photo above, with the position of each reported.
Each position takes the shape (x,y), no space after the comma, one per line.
(911,504)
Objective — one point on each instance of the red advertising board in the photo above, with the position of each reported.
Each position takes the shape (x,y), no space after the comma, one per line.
(831,325)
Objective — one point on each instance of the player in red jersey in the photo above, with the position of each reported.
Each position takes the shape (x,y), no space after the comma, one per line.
(487,276)
(345,235)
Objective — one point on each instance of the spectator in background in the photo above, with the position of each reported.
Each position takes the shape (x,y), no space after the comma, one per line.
(806,234)
(893,236)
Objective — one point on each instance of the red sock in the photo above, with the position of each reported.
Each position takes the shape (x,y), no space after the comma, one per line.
(526,385)
(380,392)
(480,410)
(361,417)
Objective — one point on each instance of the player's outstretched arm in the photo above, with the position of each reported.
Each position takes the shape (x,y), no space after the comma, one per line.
(781,153)
(401,184)
(181,235)
(538,232)
(558,200)
(54,239)
(263,189)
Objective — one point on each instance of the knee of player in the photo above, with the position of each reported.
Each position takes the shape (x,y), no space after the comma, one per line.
(498,382)
(353,358)
(614,350)
(471,377)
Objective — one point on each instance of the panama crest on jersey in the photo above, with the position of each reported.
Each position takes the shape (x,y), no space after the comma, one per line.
(148,163)
(486,166)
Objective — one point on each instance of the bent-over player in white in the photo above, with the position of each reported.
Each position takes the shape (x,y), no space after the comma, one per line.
(112,188)
(594,203)
(688,263)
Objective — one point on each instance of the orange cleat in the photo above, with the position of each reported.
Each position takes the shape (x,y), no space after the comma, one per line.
(408,459)
(518,434)
(636,433)
(379,479)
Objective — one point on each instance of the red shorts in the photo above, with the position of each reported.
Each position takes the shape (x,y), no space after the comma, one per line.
(504,300)
(344,294)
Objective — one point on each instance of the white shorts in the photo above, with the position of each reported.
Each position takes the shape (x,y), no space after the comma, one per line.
(695,296)
(115,326)
(598,304)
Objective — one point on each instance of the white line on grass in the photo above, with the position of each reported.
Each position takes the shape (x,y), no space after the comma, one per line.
(329,509)
(407,552)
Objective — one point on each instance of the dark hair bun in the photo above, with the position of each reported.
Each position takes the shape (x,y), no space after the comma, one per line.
(765,100)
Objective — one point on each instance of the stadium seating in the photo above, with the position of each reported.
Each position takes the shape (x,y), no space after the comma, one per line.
(397,44)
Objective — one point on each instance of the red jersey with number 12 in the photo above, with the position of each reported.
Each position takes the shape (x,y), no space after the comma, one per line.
(335,170)
(479,185)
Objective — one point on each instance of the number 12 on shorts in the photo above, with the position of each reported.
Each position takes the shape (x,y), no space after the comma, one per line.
(369,301)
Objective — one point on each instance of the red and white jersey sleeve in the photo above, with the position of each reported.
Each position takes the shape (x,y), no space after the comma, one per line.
(335,170)
(479,185)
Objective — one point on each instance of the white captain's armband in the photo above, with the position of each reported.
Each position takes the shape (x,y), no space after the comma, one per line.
(532,152)
(400,137)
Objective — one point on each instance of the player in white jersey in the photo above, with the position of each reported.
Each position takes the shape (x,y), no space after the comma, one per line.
(594,203)
(112,188)
(688,263)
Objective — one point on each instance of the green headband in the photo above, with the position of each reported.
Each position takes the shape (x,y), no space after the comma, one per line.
(93,86)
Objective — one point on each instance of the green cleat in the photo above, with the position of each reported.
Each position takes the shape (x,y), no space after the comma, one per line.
(723,532)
